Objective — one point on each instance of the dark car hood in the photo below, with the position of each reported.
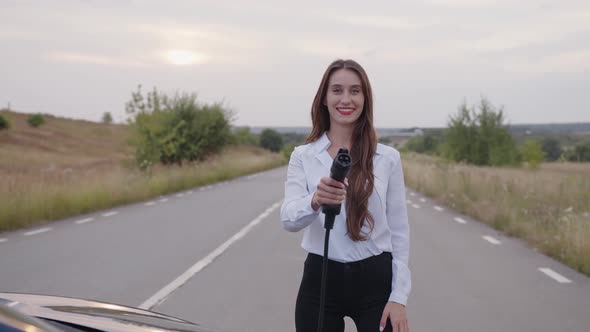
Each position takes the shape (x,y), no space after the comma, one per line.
(97,315)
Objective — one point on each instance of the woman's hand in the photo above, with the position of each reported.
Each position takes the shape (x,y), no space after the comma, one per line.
(396,313)
(329,191)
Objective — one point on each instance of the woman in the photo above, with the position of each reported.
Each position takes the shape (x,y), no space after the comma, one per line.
(368,275)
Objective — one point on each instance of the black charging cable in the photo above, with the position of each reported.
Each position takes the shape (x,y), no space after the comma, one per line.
(339,170)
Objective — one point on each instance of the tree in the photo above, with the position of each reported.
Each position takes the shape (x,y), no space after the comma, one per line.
(107,117)
(271,140)
(581,152)
(479,136)
(552,149)
(176,129)
(532,153)
(4,123)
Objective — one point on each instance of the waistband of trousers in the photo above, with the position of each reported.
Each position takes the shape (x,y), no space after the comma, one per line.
(363,263)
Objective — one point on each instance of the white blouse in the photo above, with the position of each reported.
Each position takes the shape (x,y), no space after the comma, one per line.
(308,164)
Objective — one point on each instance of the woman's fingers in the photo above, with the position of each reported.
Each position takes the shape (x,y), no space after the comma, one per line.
(330,191)
(332,183)
(328,199)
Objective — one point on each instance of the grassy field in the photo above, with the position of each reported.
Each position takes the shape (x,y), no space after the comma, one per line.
(549,207)
(67,167)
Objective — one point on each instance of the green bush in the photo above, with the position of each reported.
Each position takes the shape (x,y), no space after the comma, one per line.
(580,153)
(480,137)
(270,139)
(4,122)
(287,149)
(423,144)
(176,129)
(243,136)
(552,149)
(532,153)
(36,120)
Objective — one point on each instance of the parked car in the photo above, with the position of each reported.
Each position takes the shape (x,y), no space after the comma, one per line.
(35,313)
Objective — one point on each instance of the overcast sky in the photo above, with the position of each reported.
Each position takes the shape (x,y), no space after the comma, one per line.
(265,58)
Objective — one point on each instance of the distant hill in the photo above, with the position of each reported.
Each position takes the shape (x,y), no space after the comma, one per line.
(60,143)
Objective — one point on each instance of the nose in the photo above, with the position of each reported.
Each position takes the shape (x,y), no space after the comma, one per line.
(345,98)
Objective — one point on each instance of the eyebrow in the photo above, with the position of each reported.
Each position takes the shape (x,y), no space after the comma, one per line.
(340,85)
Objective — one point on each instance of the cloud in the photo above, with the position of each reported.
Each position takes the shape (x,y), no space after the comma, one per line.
(94,59)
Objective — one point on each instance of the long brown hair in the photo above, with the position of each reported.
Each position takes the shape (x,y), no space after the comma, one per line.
(364,145)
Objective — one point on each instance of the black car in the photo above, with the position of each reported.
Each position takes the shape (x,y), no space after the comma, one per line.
(35,313)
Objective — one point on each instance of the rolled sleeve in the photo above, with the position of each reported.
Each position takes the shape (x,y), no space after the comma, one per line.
(397,219)
(296,210)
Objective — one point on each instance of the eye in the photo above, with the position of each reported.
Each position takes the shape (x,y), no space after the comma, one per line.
(336,90)
(356,91)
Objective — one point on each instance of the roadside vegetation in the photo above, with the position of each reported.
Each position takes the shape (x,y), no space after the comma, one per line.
(52,168)
(534,189)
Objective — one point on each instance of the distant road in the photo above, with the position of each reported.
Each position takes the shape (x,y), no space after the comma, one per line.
(219,257)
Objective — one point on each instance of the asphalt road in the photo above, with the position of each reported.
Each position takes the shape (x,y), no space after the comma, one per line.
(218,256)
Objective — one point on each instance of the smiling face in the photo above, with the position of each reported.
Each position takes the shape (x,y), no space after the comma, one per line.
(344,98)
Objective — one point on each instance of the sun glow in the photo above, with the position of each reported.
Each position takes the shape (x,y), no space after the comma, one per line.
(184,57)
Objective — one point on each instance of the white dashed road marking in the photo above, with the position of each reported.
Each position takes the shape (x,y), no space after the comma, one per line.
(415,206)
(163,293)
(179,195)
(38,231)
(83,221)
(459,220)
(108,214)
(412,194)
(3,240)
(554,275)
(490,239)
(423,200)
(163,200)
(438,208)
(150,203)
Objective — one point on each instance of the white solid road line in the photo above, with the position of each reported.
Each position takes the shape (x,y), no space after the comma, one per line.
(163,293)
(459,220)
(83,221)
(554,275)
(38,231)
(491,239)
(415,206)
(150,203)
(108,214)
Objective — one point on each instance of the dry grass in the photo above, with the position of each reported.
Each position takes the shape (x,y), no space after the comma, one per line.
(68,167)
(549,207)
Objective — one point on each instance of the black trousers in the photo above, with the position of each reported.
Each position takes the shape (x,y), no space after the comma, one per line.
(359,290)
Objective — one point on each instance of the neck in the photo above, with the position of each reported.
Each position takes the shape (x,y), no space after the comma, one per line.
(340,136)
